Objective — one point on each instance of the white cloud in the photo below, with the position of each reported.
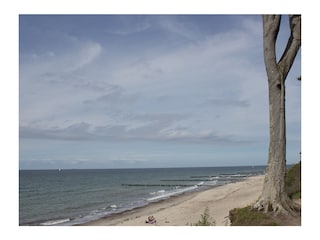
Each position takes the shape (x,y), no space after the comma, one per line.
(220,68)
(55,65)
(85,55)
(209,89)
(52,83)
(209,58)
(183,29)
(197,71)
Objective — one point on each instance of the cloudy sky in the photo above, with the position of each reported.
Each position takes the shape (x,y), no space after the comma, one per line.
(122,91)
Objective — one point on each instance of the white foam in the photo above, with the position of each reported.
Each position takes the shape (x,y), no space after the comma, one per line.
(158,192)
(54,222)
(212,183)
(172,193)
(200,183)
(216,177)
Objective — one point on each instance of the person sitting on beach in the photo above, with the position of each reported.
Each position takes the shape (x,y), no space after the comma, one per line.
(151,220)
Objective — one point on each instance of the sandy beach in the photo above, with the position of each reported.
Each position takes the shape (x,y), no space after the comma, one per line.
(186,209)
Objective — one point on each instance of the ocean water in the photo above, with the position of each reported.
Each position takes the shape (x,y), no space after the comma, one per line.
(70,197)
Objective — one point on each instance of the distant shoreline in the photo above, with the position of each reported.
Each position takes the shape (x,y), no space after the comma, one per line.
(187,208)
(138,168)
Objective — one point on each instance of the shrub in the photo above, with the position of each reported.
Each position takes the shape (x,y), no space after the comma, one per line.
(205,219)
(293,180)
(248,216)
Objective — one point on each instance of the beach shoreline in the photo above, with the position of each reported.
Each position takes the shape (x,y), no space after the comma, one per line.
(186,209)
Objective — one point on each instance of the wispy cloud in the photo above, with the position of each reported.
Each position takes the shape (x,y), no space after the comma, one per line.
(193,71)
(227,102)
(156,131)
(113,95)
(160,79)
(84,56)
(128,25)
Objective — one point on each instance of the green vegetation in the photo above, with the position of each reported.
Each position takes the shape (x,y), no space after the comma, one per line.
(248,216)
(205,219)
(293,181)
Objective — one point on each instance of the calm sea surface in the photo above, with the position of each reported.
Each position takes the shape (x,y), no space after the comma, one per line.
(69,197)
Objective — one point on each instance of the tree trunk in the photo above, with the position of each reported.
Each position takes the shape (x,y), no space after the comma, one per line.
(273,197)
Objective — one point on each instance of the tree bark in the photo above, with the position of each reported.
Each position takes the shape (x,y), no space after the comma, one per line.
(273,196)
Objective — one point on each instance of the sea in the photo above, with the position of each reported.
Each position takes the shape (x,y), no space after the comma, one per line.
(75,196)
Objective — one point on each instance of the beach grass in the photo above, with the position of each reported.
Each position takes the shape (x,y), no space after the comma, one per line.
(205,219)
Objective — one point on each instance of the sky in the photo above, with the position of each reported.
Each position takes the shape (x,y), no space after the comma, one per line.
(131,91)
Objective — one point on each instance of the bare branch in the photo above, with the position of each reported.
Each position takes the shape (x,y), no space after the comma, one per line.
(293,45)
(271,25)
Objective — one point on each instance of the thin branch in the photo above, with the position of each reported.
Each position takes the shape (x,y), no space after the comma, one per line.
(292,47)
(271,25)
